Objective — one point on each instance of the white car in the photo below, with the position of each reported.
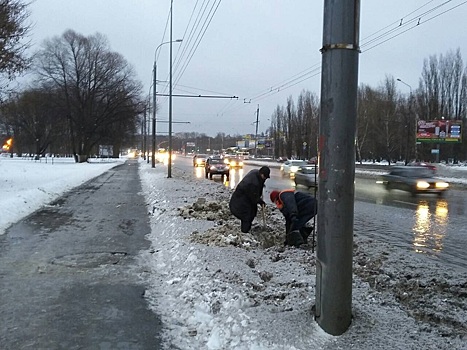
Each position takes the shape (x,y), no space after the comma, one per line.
(290,167)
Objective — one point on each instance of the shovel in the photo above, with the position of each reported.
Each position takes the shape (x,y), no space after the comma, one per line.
(264,219)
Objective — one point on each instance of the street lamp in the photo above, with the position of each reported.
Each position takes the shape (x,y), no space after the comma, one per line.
(403,82)
(153,162)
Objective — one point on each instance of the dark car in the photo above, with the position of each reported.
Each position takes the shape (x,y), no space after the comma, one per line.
(413,179)
(199,160)
(217,166)
(306,176)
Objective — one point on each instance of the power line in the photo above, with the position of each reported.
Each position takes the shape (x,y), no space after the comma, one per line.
(414,21)
(198,38)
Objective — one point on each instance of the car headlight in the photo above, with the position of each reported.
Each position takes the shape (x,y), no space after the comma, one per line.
(240,164)
(294,169)
(226,161)
(441,185)
(423,185)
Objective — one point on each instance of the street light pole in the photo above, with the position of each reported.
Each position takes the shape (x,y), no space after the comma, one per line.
(256,132)
(169,165)
(153,156)
(154,94)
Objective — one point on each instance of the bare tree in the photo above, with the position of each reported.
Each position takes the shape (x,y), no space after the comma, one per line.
(13,29)
(99,94)
(443,93)
(34,118)
(365,110)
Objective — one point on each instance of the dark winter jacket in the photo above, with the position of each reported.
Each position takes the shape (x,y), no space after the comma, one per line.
(297,207)
(247,195)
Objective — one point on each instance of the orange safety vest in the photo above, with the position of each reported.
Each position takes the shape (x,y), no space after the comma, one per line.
(278,202)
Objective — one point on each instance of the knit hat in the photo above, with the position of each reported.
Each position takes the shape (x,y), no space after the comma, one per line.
(265,171)
(274,195)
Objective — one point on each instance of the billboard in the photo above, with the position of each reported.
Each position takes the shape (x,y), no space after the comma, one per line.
(106,151)
(439,131)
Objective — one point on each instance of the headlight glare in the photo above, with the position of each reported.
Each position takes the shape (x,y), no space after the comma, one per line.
(442,185)
(423,185)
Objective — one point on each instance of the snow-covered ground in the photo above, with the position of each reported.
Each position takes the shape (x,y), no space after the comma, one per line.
(216,288)
(26,184)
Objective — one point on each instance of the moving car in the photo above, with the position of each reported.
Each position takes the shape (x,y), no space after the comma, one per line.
(234,161)
(199,160)
(290,167)
(217,166)
(413,179)
(423,164)
(306,176)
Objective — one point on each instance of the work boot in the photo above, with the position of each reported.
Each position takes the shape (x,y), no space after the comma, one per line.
(294,238)
(306,232)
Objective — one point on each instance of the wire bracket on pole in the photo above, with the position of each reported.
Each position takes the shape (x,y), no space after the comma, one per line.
(340,46)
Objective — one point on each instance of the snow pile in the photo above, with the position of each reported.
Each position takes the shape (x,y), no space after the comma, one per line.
(217,288)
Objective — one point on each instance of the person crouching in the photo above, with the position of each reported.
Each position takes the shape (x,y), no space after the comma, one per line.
(298,208)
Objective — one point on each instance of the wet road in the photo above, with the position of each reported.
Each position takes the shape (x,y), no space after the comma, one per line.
(68,277)
(426,224)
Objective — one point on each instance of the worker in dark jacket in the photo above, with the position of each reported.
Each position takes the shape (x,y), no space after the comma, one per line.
(298,208)
(247,195)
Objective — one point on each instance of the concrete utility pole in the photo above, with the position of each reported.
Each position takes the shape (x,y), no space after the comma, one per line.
(169,165)
(256,132)
(143,131)
(154,84)
(337,126)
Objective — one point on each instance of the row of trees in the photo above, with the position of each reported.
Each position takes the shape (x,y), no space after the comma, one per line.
(386,119)
(84,96)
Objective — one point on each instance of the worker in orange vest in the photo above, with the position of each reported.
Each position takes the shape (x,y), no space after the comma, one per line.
(298,208)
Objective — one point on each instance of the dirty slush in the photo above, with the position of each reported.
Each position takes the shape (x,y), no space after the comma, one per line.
(401,299)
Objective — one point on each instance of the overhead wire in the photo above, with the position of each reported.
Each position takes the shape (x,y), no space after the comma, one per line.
(195,36)
(392,30)
(199,38)
(186,41)
(196,30)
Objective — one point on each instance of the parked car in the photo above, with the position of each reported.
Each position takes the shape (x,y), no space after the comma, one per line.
(290,167)
(413,179)
(234,161)
(217,166)
(306,176)
(199,160)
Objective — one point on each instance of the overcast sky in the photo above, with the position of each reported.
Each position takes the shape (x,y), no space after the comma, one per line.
(252,49)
